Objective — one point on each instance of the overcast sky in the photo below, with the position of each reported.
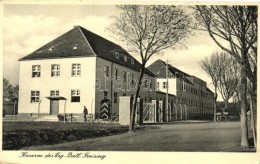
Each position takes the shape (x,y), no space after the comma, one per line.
(28,27)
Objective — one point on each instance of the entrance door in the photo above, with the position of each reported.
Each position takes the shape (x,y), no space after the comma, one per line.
(54,107)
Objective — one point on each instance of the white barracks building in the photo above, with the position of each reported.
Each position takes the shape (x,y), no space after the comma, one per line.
(78,69)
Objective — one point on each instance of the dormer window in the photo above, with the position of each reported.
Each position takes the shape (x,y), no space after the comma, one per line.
(75,46)
(132,61)
(117,55)
(125,58)
(51,48)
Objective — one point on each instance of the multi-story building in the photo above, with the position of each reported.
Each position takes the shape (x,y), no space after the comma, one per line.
(78,69)
(193,99)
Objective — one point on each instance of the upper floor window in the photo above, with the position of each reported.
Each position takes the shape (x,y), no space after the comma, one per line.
(55,93)
(125,76)
(76,69)
(75,95)
(146,82)
(184,85)
(115,97)
(35,96)
(115,74)
(55,70)
(132,78)
(132,61)
(106,71)
(164,85)
(36,71)
(125,58)
(117,55)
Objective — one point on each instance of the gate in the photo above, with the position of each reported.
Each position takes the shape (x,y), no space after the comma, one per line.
(149,112)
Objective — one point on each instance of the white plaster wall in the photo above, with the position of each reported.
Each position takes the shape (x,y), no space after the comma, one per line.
(64,83)
(172,85)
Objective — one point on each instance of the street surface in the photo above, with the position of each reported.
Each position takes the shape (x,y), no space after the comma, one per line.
(199,137)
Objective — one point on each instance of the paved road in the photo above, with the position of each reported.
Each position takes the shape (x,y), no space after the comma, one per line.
(203,137)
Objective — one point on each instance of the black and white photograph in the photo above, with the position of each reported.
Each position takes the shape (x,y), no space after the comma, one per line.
(142,81)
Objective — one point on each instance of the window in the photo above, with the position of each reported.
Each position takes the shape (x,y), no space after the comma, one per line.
(115,97)
(125,76)
(35,96)
(115,74)
(55,70)
(117,55)
(105,94)
(184,86)
(146,82)
(75,95)
(76,69)
(51,48)
(106,71)
(125,58)
(132,78)
(36,71)
(164,85)
(54,93)
(132,61)
(75,46)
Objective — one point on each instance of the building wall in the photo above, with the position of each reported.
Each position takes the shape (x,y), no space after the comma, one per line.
(119,86)
(171,85)
(64,83)
(191,95)
(195,97)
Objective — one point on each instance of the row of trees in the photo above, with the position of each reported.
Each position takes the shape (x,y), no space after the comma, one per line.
(234,30)
(10,93)
(147,30)
(224,71)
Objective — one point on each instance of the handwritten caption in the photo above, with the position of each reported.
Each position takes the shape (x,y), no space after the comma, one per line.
(61,155)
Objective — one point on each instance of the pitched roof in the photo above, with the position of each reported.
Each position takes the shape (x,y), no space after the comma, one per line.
(158,68)
(80,42)
(209,90)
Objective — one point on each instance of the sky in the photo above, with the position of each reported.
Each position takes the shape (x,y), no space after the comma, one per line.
(28,27)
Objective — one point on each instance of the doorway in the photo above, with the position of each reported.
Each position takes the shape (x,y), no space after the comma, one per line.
(54,107)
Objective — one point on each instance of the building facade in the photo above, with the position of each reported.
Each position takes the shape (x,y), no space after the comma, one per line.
(78,69)
(193,99)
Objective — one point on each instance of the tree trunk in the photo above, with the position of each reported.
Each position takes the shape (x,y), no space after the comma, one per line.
(215,104)
(226,106)
(243,117)
(253,106)
(132,120)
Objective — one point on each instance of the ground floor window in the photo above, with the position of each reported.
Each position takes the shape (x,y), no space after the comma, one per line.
(75,95)
(105,94)
(35,96)
(115,97)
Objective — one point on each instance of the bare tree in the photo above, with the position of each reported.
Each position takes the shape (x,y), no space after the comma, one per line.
(212,66)
(234,30)
(147,30)
(10,93)
(229,77)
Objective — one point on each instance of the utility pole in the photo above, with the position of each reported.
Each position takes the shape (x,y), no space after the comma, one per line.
(167,87)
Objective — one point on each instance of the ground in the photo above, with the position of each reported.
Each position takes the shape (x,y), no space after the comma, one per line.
(188,137)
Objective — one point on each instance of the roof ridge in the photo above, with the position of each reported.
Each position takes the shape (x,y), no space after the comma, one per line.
(79,27)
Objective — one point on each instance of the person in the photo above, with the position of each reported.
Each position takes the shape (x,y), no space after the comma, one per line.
(85,112)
